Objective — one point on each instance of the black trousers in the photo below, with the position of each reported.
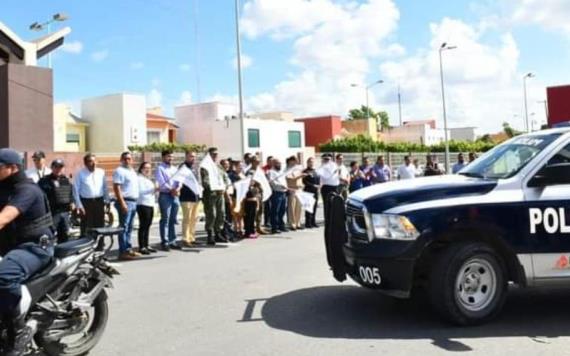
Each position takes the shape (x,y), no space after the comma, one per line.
(94,214)
(327,190)
(250,212)
(61,221)
(145,214)
(311,218)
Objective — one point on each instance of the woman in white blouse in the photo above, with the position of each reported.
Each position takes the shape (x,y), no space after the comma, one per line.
(145,206)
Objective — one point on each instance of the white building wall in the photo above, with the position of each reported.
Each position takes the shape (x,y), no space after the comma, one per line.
(195,121)
(134,120)
(463,134)
(419,134)
(274,137)
(114,122)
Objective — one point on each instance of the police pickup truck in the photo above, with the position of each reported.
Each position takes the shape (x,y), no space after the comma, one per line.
(462,239)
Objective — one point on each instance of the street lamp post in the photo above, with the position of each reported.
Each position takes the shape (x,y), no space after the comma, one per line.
(367,88)
(444,47)
(528,75)
(36,26)
(240,87)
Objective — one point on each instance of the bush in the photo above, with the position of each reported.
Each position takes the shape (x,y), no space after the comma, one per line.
(174,147)
(362,143)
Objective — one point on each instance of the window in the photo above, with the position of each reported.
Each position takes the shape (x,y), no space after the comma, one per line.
(253,138)
(152,137)
(72,138)
(294,139)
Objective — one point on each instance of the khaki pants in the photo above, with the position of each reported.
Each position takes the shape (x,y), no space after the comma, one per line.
(294,210)
(189,217)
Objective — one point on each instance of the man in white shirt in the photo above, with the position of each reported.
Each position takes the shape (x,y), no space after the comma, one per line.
(40,169)
(330,180)
(278,184)
(90,194)
(126,188)
(343,175)
(406,170)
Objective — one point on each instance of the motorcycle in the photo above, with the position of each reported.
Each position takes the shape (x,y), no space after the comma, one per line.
(65,304)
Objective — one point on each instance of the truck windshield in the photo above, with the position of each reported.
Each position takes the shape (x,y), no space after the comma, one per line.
(504,161)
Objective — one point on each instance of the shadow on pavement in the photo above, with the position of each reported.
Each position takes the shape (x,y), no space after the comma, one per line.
(356,313)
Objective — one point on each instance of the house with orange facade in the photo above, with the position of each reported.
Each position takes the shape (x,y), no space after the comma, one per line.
(159,128)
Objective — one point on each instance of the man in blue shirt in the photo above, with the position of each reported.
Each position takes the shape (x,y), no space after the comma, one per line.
(381,172)
(459,165)
(126,188)
(168,201)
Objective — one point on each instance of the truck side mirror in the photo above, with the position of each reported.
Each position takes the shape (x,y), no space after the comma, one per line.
(552,174)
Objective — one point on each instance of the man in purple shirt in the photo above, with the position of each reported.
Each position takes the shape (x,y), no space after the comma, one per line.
(168,201)
(381,172)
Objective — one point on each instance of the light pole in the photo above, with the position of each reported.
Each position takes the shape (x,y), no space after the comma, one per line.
(528,75)
(444,47)
(240,88)
(36,26)
(367,88)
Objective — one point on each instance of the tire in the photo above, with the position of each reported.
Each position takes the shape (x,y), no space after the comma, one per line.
(88,340)
(468,284)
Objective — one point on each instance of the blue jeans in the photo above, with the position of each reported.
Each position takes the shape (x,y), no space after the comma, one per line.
(278,209)
(169,206)
(126,222)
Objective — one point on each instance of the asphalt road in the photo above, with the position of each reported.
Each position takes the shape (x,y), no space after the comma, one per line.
(275,296)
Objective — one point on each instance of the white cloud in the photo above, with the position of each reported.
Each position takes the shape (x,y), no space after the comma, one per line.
(185,67)
(154,99)
(483,81)
(136,65)
(334,44)
(340,42)
(155,82)
(246,61)
(100,56)
(74,47)
(185,98)
(550,14)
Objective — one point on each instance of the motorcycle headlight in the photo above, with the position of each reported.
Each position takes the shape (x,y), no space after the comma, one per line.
(388,226)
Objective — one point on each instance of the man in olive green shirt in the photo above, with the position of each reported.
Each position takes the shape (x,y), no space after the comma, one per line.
(214,181)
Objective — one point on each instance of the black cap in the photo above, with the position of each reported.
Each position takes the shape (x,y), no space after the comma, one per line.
(39,154)
(326,156)
(10,156)
(58,163)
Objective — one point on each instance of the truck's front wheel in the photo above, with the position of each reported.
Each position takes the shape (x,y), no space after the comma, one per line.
(468,283)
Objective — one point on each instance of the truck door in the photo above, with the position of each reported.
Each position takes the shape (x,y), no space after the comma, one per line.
(548,218)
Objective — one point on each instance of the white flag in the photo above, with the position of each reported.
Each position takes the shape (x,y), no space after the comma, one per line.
(307,200)
(186,176)
(241,188)
(216,182)
(260,178)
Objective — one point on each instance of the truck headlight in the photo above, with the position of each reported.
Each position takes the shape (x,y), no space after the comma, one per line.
(389,226)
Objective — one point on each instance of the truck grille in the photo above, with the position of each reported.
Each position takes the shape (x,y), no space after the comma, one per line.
(355,221)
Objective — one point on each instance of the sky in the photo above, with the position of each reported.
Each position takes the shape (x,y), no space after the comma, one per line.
(303,56)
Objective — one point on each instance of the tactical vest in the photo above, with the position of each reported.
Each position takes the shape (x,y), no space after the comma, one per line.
(62,192)
(31,230)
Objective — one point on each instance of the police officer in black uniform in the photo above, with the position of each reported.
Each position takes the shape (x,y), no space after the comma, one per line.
(26,244)
(59,192)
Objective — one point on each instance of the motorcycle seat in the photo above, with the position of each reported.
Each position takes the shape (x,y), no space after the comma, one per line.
(72,247)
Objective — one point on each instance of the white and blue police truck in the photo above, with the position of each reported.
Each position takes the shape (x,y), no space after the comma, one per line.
(462,240)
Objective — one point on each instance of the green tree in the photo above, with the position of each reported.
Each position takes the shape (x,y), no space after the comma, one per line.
(509,131)
(361,113)
(383,120)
